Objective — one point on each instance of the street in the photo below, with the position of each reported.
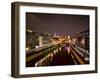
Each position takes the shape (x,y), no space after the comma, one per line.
(62,54)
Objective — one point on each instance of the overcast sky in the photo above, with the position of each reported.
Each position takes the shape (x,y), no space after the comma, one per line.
(61,24)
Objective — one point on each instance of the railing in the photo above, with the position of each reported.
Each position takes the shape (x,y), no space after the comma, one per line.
(79,56)
(41,53)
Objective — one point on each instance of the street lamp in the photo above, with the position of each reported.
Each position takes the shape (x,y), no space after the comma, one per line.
(68,37)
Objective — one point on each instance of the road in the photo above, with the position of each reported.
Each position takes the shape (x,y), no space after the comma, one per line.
(56,56)
(62,58)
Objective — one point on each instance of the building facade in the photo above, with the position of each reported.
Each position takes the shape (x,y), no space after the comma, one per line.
(84,39)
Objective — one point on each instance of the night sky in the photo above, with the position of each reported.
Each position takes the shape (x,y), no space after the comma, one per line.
(61,24)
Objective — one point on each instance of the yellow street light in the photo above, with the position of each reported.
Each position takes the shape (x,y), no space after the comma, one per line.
(68,37)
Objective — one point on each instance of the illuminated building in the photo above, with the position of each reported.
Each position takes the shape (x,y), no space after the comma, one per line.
(83,39)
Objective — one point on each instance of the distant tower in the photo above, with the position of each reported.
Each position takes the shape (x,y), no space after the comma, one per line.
(40,41)
(55,34)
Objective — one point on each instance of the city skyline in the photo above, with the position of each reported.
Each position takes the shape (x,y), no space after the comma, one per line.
(56,39)
(61,24)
